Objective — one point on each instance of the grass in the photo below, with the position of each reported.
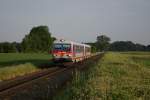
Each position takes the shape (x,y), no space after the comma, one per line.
(8,59)
(19,70)
(118,76)
(140,57)
(80,88)
(18,64)
(136,53)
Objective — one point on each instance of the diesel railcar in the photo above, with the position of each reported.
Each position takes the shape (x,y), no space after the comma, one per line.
(64,50)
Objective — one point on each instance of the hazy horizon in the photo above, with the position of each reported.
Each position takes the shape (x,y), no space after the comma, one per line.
(77,20)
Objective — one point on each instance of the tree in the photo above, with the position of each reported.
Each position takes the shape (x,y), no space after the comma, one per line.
(140,47)
(93,47)
(38,40)
(16,46)
(122,46)
(6,47)
(148,48)
(126,46)
(53,39)
(1,48)
(102,42)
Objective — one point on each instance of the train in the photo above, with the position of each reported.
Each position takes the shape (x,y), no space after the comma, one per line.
(69,51)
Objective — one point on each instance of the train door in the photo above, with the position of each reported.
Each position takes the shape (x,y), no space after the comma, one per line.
(74,48)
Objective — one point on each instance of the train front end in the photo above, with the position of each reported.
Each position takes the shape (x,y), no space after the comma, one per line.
(62,51)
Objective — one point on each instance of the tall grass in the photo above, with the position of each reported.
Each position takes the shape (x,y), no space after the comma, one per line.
(124,78)
(81,87)
(19,70)
(117,77)
(18,64)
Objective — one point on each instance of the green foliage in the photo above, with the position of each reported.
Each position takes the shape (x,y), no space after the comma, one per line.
(7,47)
(81,87)
(122,78)
(93,47)
(118,76)
(148,48)
(17,64)
(102,42)
(53,38)
(12,59)
(18,70)
(140,47)
(38,40)
(127,46)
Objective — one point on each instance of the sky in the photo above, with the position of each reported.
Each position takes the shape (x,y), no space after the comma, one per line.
(77,20)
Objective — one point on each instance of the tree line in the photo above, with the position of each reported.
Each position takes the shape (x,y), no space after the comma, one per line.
(40,40)
(128,46)
(103,44)
(7,47)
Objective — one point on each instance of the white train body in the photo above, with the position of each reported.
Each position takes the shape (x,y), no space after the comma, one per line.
(70,51)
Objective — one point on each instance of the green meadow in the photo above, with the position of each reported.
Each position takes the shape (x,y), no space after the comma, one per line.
(17,64)
(117,76)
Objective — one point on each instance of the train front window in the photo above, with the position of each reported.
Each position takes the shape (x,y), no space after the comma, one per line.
(66,47)
(57,47)
(62,47)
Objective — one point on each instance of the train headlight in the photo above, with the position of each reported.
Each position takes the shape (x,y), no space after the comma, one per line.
(69,55)
(55,55)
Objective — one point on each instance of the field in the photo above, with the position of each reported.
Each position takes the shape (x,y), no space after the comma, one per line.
(16,64)
(117,76)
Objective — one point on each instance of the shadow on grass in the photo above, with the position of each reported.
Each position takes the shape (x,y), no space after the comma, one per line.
(136,53)
(37,62)
(143,60)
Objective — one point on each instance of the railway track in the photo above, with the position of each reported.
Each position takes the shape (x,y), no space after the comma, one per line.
(10,87)
(56,77)
(23,79)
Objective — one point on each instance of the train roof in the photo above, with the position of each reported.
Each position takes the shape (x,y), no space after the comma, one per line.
(70,42)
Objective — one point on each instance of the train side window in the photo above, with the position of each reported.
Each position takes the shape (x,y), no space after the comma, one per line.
(78,49)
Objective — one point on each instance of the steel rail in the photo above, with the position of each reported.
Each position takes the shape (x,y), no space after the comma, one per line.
(22,79)
(7,86)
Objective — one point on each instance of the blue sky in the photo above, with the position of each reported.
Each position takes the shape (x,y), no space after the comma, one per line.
(78,20)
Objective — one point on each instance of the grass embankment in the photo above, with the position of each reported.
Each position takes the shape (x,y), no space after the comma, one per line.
(118,76)
(17,64)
